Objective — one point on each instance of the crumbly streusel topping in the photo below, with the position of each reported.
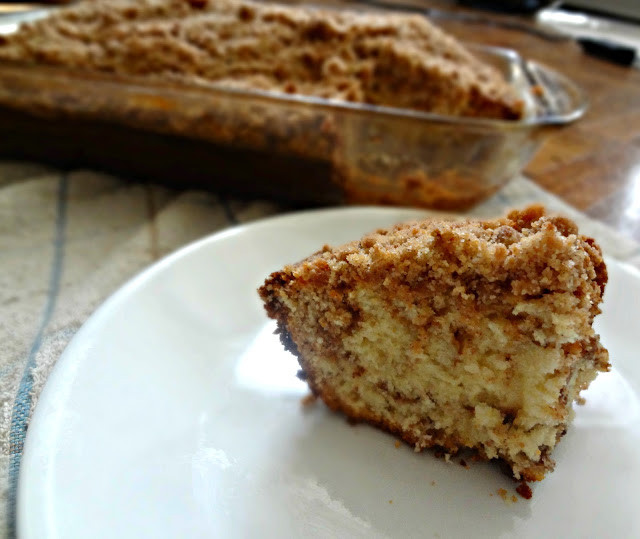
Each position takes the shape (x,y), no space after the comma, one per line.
(391,59)
(526,256)
(530,252)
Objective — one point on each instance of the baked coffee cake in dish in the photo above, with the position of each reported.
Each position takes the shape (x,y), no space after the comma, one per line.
(452,334)
(393,59)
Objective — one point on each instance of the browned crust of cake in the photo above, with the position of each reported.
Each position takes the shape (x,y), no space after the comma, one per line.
(440,440)
(526,254)
(378,254)
(400,60)
(449,190)
(128,62)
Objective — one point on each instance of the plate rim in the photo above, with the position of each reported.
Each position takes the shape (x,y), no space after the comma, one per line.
(147,273)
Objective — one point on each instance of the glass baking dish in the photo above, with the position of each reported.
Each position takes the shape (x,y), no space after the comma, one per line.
(296,149)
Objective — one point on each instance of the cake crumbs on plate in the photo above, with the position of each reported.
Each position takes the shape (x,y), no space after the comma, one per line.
(308,400)
(506,496)
(524,490)
(397,443)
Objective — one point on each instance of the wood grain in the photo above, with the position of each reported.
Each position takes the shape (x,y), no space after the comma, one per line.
(593,164)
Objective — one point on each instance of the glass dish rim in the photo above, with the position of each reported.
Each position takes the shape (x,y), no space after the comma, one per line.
(337,105)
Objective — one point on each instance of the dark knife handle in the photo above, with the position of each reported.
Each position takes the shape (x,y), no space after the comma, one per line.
(607,50)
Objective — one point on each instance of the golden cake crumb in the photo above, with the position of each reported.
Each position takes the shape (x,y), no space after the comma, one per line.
(308,400)
(452,334)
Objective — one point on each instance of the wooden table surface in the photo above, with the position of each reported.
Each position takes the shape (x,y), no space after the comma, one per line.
(593,164)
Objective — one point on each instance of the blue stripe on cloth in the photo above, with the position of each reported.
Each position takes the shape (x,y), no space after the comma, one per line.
(501,197)
(23,401)
(228,212)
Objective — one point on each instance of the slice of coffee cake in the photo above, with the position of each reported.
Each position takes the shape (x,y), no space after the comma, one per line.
(454,334)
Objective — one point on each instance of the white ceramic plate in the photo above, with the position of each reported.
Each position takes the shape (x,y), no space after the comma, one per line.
(175,412)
